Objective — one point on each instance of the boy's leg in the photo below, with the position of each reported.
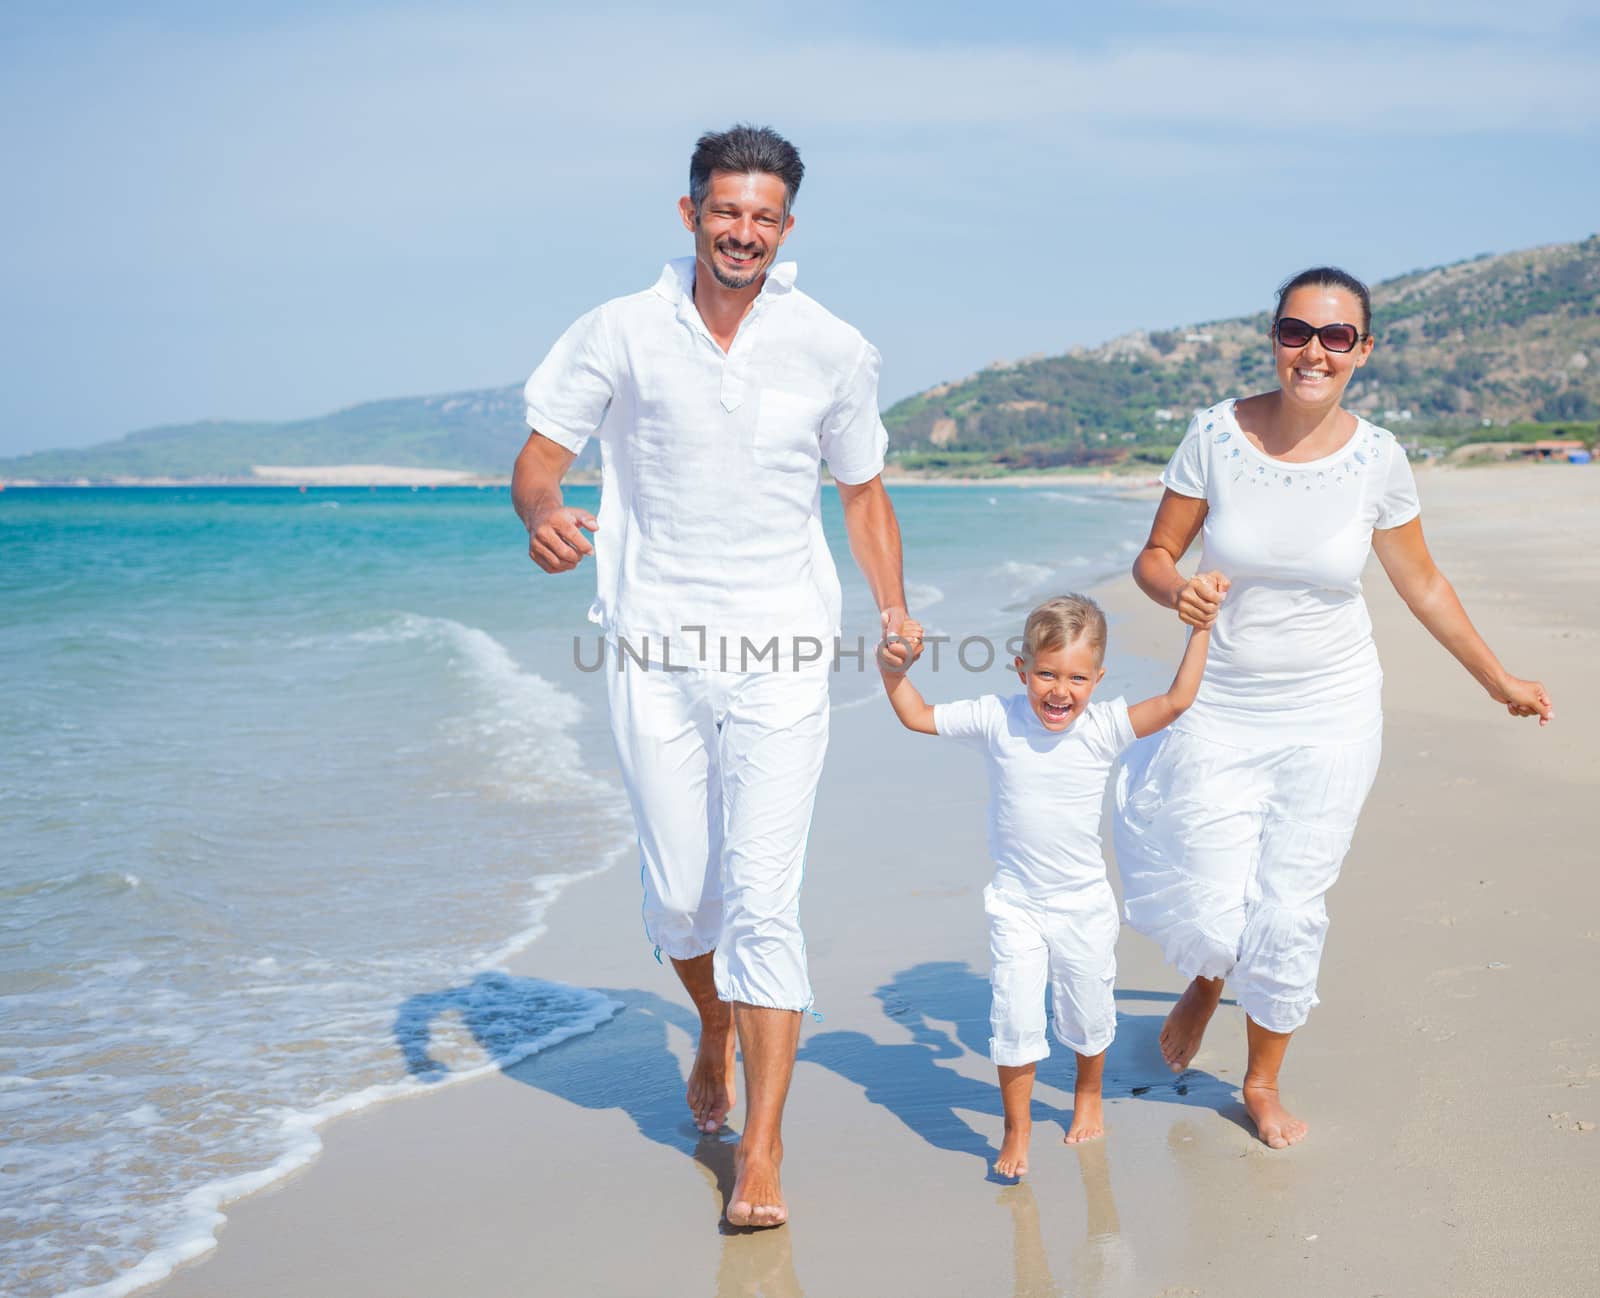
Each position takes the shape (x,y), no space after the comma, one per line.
(1083,973)
(1088,1115)
(1016,1096)
(1019,966)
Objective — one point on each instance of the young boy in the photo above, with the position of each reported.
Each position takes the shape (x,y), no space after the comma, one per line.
(1052,916)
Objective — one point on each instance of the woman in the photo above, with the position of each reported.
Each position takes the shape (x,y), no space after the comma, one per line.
(1232,825)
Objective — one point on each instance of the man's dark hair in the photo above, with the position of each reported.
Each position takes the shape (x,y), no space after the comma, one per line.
(1327,277)
(740,150)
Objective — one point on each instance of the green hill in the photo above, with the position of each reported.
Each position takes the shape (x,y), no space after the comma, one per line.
(1499,340)
(479,432)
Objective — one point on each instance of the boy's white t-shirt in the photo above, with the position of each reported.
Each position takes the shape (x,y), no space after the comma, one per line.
(1045,789)
(1291,655)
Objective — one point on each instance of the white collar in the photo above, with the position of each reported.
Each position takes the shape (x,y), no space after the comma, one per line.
(677,279)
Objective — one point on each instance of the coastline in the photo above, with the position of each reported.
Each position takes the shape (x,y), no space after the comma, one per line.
(1436,1163)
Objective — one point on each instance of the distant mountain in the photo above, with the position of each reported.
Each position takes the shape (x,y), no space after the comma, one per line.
(479,432)
(1501,339)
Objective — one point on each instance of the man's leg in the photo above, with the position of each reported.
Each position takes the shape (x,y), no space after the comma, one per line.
(665,735)
(773,732)
(711,1091)
(769,1039)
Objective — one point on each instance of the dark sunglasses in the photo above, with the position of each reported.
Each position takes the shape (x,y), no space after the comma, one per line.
(1296,333)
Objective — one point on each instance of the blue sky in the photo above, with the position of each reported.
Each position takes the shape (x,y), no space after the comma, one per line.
(270,211)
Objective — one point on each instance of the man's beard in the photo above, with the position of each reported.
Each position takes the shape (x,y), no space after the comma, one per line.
(738,280)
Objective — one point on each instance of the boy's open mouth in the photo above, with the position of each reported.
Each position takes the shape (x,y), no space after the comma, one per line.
(1055,711)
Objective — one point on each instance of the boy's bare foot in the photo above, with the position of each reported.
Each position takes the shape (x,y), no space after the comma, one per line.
(1013,1160)
(757,1199)
(1187,1021)
(1088,1120)
(1277,1127)
(711,1094)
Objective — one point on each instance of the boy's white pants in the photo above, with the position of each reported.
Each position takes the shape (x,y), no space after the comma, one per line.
(1073,949)
(721,770)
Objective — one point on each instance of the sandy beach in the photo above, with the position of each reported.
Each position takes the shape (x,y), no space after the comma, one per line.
(1451,1076)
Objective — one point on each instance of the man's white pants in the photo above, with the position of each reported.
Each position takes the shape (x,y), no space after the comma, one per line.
(721,769)
(1073,950)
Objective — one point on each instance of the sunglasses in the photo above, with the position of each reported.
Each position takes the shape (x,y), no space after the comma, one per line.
(1297,333)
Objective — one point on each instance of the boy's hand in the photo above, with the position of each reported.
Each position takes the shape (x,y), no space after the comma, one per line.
(1200,598)
(901,644)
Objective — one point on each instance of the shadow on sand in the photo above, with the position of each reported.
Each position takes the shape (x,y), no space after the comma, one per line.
(626,1064)
(944,1005)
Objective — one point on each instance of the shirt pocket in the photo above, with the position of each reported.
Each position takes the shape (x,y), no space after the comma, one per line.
(788,430)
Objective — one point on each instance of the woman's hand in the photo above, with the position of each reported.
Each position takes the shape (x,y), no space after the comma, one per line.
(1524,699)
(1200,597)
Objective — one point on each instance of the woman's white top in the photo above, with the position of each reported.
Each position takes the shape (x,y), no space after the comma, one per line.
(1045,790)
(1292,659)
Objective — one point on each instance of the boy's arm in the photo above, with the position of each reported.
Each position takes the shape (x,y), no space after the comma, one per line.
(1155,714)
(894,660)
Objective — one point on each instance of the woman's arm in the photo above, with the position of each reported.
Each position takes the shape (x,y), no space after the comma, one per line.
(1177,522)
(1432,599)
(1151,715)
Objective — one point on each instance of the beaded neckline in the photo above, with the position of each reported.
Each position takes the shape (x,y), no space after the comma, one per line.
(1253,466)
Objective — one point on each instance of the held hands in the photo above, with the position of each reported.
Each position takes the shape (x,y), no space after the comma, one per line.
(1524,699)
(1200,597)
(902,641)
(555,542)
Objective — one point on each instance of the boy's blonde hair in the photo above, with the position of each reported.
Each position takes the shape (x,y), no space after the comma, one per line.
(1061,621)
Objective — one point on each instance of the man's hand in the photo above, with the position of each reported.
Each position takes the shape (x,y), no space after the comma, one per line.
(1200,597)
(555,542)
(898,654)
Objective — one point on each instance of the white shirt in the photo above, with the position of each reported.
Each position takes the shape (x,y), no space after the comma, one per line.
(1045,790)
(710,506)
(1291,654)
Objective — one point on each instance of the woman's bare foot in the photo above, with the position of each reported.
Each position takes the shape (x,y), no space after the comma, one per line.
(757,1199)
(1088,1120)
(1277,1127)
(711,1094)
(1187,1021)
(1013,1160)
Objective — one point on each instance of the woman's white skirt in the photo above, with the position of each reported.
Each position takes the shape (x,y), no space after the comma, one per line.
(1226,854)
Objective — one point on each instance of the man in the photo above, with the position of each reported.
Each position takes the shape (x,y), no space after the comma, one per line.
(717,395)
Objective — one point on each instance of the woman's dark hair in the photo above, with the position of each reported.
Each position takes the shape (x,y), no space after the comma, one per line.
(741,150)
(1327,277)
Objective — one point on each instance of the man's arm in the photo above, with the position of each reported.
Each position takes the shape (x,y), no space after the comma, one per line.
(555,542)
(875,542)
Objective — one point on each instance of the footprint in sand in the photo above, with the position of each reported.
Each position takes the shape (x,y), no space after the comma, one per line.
(1566,1122)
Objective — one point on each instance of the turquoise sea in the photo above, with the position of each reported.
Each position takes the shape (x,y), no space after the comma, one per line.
(274,764)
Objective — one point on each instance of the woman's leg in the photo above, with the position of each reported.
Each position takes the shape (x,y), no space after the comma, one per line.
(1275,1125)
(1187,1021)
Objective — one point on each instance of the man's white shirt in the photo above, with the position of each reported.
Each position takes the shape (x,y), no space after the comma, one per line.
(710,507)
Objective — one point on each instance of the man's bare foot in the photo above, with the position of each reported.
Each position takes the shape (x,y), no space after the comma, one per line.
(711,1094)
(1187,1021)
(1088,1120)
(1013,1160)
(757,1199)
(1277,1127)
